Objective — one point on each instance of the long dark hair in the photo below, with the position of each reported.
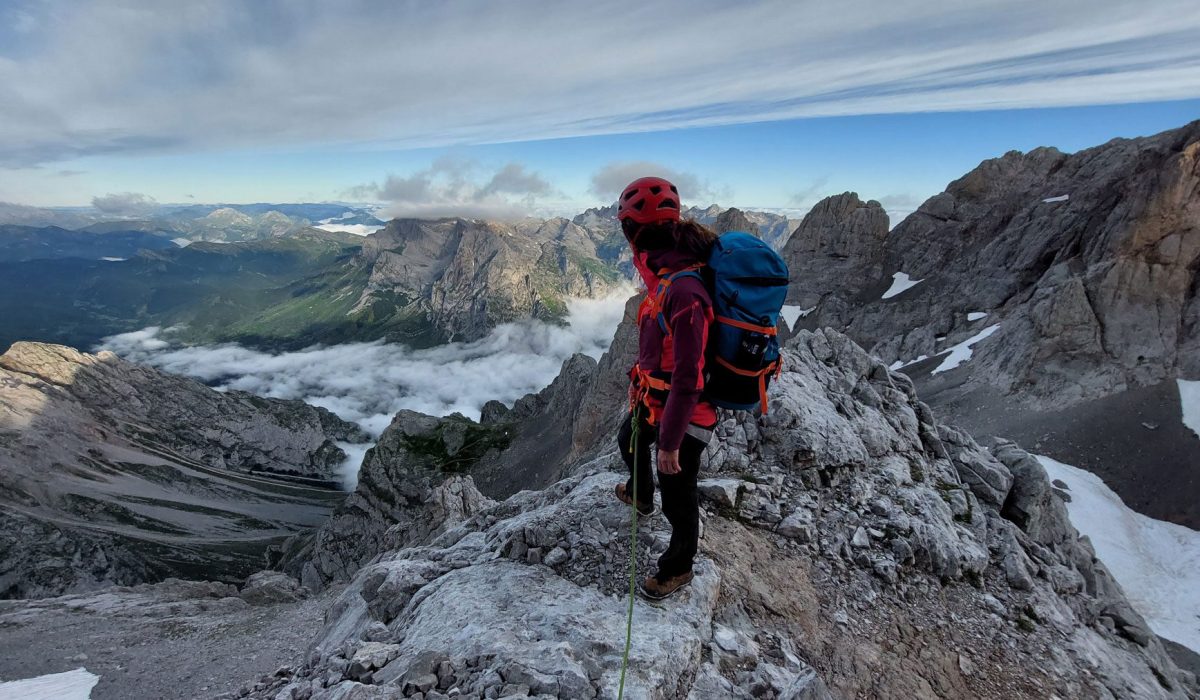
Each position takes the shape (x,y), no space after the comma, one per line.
(688,236)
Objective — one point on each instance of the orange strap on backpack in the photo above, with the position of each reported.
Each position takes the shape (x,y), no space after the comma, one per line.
(775,367)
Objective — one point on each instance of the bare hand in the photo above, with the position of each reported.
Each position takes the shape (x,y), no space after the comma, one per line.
(668,462)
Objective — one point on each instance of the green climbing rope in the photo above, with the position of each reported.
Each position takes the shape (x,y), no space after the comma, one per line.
(633,500)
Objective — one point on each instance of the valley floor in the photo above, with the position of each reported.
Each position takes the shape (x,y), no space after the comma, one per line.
(171,640)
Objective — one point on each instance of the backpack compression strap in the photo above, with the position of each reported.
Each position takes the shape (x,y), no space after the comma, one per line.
(765,330)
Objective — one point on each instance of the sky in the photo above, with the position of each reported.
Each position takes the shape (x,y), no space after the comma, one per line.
(484,108)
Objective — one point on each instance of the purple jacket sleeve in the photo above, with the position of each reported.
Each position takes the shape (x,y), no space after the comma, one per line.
(684,309)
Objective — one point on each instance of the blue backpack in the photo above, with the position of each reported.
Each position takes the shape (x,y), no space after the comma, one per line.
(748,283)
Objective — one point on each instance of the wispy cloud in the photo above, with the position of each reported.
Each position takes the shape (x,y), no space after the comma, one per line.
(811,194)
(111,76)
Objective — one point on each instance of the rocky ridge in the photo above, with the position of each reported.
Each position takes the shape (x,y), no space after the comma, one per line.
(852,546)
(1088,259)
(114,473)
(1068,280)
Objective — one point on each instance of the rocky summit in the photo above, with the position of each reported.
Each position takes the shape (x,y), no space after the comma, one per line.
(1045,296)
(852,546)
(113,473)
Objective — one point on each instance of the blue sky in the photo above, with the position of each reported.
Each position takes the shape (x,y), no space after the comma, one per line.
(506,108)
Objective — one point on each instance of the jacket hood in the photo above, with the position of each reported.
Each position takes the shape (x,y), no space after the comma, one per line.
(650,262)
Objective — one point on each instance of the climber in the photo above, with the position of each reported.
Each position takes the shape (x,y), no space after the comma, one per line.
(666,406)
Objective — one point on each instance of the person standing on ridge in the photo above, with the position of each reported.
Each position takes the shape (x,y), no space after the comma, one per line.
(666,402)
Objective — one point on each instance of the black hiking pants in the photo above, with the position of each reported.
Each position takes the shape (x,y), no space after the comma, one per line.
(680,501)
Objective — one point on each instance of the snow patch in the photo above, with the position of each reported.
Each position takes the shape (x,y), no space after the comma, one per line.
(962,352)
(1059,198)
(356,229)
(792,313)
(901,282)
(1189,403)
(181,242)
(107,259)
(70,685)
(901,364)
(976,315)
(1156,562)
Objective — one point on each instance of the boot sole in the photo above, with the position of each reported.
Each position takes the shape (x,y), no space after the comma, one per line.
(655,597)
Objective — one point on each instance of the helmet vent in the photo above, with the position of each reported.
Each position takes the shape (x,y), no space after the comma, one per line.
(655,190)
(668,204)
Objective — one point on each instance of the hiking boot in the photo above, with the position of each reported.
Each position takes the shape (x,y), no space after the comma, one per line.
(654,589)
(644,509)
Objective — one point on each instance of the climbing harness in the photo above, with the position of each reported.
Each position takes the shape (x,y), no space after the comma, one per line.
(633,502)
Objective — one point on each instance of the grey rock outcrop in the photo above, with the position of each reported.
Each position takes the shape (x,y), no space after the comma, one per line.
(116,473)
(272,588)
(865,551)
(411,484)
(841,239)
(734,219)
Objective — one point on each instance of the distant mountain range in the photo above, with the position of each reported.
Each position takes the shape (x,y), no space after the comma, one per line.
(280,281)
(185,218)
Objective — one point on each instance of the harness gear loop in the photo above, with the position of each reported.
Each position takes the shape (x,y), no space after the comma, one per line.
(633,501)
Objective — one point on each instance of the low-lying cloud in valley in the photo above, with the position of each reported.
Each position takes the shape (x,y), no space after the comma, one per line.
(369,382)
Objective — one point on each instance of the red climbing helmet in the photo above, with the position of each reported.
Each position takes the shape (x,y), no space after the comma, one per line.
(649,199)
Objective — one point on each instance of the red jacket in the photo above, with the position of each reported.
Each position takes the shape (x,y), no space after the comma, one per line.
(676,356)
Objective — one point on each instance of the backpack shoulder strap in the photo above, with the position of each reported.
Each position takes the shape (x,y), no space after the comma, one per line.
(664,285)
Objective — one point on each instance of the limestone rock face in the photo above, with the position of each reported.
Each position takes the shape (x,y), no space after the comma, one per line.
(854,548)
(464,277)
(411,484)
(115,473)
(1088,261)
(1055,302)
(605,402)
(734,219)
(542,428)
(841,239)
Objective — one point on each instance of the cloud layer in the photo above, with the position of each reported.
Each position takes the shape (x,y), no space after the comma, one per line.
(369,382)
(125,204)
(93,77)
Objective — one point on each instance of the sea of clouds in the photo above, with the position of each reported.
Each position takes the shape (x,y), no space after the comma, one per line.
(367,383)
